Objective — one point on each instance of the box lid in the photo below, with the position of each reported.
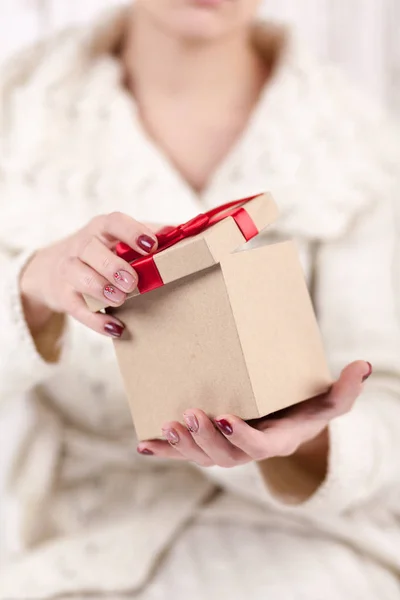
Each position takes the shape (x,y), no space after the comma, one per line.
(198,244)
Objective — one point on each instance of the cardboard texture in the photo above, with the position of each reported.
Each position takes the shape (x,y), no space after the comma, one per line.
(228,332)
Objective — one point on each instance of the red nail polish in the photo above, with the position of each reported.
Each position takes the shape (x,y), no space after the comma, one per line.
(224,426)
(114,329)
(369,372)
(146,243)
(145,451)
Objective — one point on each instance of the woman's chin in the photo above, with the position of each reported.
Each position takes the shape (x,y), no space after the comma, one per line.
(199,31)
(200,22)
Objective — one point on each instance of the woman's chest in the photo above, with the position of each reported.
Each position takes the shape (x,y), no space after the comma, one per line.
(83,159)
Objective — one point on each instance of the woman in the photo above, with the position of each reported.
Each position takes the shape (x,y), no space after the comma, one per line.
(156,114)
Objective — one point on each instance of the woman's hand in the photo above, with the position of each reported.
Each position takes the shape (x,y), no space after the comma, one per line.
(84,263)
(229,441)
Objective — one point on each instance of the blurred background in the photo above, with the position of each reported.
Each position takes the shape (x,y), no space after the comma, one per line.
(360,35)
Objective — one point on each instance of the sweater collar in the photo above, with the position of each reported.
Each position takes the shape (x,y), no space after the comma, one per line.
(323,152)
(311,141)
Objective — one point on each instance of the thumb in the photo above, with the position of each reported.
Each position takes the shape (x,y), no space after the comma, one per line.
(349,385)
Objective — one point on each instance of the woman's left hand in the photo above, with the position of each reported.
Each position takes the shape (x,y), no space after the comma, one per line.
(229,441)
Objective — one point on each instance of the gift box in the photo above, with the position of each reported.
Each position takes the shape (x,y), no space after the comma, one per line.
(218,326)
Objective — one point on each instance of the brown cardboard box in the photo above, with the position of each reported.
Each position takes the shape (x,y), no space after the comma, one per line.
(228,332)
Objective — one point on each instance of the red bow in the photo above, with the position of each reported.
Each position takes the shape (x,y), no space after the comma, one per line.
(149,276)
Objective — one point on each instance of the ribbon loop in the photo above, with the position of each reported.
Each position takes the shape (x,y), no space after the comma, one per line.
(196,225)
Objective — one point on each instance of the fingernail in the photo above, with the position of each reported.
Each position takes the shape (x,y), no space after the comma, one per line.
(224,426)
(145,451)
(125,279)
(191,423)
(146,243)
(114,329)
(171,435)
(369,372)
(112,293)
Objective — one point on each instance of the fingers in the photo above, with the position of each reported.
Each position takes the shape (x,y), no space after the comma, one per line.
(120,227)
(349,386)
(251,441)
(281,438)
(104,324)
(181,440)
(210,440)
(178,445)
(159,448)
(203,444)
(85,280)
(112,268)
(338,400)
(201,434)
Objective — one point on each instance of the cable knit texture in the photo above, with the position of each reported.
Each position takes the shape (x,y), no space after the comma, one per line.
(82,513)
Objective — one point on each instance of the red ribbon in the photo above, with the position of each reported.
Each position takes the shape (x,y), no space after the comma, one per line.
(149,276)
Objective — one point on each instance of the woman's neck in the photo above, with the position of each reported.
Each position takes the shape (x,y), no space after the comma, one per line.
(158,64)
(194,100)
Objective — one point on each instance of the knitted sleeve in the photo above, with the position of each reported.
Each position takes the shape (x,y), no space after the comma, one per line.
(24,362)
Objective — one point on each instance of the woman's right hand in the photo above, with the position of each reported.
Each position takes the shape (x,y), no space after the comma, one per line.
(55,278)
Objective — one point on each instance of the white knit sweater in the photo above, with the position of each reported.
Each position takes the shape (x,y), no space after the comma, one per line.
(82,511)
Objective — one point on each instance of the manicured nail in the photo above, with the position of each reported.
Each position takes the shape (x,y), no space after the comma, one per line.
(171,435)
(145,451)
(146,243)
(114,329)
(224,426)
(191,423)
(125,279)
(369,372)
(111,293)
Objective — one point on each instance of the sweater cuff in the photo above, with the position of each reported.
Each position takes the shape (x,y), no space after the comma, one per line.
(356,467)
(22,366)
